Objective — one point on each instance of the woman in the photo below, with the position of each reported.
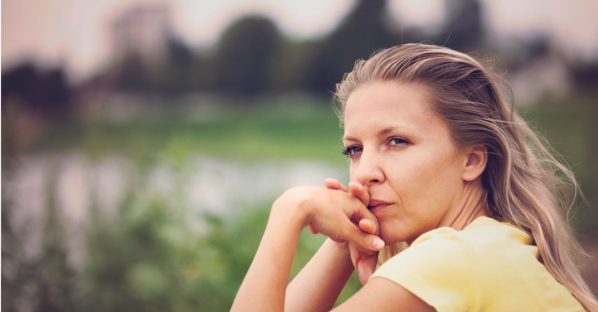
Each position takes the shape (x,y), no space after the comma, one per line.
(441,164)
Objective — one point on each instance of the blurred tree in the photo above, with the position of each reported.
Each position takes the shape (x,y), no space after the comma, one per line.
(182,70)
(525,52)
(464,29)
(362,32)
(179,54)
(44,93)
(585,76)
(131,74)
(290,67)
(243,63)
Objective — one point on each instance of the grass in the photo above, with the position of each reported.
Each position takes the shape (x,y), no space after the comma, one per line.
(266,132)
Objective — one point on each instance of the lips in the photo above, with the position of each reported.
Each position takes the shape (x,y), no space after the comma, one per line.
(377,205)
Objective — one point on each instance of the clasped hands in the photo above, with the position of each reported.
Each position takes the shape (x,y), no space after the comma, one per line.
(364,260)
(340,213)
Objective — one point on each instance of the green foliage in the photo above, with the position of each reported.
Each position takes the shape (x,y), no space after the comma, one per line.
(152,258)
(145,258)
(569,126)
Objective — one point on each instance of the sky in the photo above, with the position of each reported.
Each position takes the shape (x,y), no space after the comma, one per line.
(73,33)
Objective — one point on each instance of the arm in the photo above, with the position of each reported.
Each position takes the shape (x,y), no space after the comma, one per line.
(380,294)
(329,211)
(263,288)
(331,261)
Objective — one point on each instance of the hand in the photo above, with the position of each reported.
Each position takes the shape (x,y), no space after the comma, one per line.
(365,263)
(334,213)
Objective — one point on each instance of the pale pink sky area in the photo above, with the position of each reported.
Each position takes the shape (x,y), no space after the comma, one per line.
(75,32)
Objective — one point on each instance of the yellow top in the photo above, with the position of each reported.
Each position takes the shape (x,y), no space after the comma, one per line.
(487,266)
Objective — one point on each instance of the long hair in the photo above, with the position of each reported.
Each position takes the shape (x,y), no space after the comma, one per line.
(524,183)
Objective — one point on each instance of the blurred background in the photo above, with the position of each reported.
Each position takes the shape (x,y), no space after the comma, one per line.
(144,141)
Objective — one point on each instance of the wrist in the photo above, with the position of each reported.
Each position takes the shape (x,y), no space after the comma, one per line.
(339,248)
(291,209)
(341,253)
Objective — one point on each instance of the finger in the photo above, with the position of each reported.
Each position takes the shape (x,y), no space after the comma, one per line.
(333,184)
(355,255)
(367,226)
(359,212)
(359,191)
(364,264)
(363,241)
(366,267)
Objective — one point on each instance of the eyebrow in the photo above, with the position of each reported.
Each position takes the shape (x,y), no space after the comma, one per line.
(382,132)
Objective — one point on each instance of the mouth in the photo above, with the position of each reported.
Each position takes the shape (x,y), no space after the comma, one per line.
(376,205)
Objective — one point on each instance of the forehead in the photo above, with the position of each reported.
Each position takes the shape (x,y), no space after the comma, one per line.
(384,104)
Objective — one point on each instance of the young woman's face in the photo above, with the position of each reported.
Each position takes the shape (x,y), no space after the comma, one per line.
(402,152)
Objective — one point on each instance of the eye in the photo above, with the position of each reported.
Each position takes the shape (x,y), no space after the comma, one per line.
(352,151)
(394,141)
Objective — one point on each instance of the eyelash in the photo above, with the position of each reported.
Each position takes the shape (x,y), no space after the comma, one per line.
(350,152)
(400,139)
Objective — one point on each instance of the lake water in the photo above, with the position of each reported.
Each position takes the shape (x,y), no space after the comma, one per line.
(203,184)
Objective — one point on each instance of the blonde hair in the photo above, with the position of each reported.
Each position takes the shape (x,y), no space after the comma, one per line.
(524,183)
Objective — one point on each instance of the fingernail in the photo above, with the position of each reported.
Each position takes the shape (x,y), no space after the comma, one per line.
(378,243)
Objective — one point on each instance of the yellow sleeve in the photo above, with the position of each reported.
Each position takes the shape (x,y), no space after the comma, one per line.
(437,268)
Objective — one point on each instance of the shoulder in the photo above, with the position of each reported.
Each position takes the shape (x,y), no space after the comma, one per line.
(443,250)
(490,265)
(444,267)
(460,254)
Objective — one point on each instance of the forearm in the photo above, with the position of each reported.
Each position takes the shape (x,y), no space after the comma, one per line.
(263,288)
(319,283)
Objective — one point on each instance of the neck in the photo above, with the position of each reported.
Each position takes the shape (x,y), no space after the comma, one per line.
(471,205)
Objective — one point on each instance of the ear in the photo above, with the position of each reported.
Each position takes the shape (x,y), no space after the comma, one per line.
(477,157)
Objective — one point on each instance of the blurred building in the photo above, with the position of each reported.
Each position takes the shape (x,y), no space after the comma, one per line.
(141,32)
(546,76)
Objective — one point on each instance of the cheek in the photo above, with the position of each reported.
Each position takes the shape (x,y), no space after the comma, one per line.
(409,172)
(423,177)
(351,171)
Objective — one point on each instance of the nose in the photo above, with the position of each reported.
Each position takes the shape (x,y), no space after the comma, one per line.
(368,170)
